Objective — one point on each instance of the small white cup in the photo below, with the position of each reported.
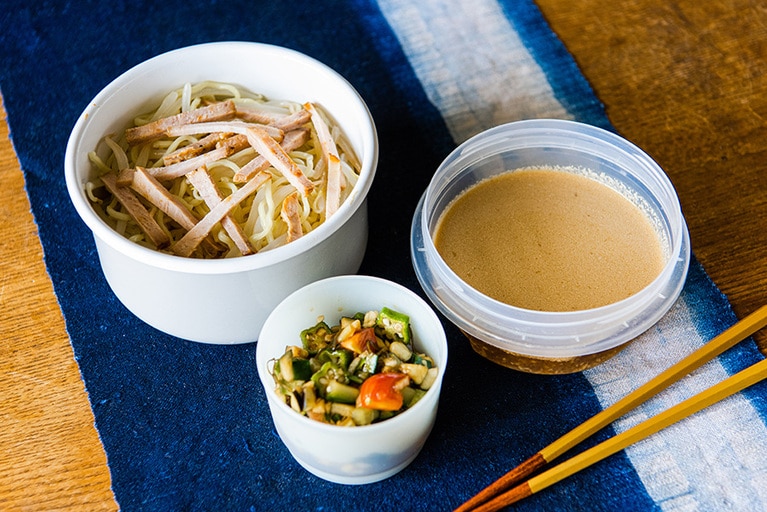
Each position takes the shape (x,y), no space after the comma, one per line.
(362,454)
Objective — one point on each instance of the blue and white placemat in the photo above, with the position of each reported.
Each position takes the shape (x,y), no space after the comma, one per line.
(185,426)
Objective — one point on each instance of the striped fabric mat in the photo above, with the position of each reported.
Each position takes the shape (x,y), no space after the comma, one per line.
(185,426)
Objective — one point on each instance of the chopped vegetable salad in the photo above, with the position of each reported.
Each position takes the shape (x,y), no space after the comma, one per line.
(363,370)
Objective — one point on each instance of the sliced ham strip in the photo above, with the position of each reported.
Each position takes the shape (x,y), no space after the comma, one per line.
(196,148)
(276,155)
(290,214)
(136,210)
(285,122)
(293,121)
(125,177)
(335,179)
(157,129)
(221,126)
(172,171)
(250,169)
(153,191)
(293,140)
(257,115)
(186,245)
(212,196)
(234,143)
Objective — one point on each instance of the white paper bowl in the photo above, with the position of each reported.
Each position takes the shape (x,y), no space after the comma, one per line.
(223,301)
(363,454)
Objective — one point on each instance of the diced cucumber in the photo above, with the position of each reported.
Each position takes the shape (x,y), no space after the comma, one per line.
(364,416)
(407,395)
(369,363)
(310,397)
(286,366)
(337,392)
(302,369)
(416,396)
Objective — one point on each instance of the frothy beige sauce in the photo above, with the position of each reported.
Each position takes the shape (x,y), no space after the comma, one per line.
(549,240)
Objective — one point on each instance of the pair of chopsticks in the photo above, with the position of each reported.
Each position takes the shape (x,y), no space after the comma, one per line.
(503,491)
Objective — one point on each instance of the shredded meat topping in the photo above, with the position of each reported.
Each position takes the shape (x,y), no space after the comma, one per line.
(157,129)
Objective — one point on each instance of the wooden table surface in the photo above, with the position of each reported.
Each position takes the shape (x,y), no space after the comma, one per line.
(685,80)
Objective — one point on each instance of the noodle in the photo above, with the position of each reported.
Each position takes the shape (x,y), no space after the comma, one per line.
(259,214)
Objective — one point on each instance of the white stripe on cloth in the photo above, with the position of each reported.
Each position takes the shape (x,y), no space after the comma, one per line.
(471,63)
(478,74)
(713,460)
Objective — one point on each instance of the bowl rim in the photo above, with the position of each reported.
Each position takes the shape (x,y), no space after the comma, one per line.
(102,231)
(355,280)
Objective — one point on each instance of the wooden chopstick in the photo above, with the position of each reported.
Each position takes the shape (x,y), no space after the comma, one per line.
(720,391)
(727,339)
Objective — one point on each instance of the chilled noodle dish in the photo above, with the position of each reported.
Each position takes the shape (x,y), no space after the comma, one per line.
(216,171)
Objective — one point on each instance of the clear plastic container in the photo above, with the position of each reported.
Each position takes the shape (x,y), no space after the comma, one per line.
(542,341)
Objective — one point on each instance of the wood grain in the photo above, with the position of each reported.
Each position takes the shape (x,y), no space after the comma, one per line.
(50,454)
(687,82)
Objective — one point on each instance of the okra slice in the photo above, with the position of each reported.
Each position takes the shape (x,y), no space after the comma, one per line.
(317,337)
(395,325)
(340,358)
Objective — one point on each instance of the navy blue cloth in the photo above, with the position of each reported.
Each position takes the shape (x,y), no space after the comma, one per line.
(185,426)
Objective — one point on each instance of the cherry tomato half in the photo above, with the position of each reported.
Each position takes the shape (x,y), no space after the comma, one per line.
(382,391)
(362,340)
